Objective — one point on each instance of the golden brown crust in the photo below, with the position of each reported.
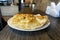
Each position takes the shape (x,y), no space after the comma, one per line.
(28,21)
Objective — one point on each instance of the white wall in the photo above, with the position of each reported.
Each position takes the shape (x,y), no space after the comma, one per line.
(9,10)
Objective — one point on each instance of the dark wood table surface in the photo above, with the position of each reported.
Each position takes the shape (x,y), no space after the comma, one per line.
(50,33)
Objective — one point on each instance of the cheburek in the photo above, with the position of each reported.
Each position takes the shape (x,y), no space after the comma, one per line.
(28,21)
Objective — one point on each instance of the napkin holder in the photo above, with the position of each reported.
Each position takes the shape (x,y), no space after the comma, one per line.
(53,10)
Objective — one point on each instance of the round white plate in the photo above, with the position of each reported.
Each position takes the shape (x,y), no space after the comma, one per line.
(43,27)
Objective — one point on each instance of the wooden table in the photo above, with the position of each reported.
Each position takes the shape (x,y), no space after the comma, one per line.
(50,33)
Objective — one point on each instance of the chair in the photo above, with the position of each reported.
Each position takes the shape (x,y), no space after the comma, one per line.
(2,21)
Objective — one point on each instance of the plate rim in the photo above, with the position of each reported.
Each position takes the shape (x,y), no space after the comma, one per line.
(41,28)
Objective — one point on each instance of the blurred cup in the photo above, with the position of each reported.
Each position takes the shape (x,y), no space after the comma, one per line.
(48,10)
(53,5)
(58,6)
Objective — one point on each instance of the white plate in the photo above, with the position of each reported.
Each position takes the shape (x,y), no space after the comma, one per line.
(43,27)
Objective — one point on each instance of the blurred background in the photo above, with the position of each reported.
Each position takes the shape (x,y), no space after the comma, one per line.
(11,7)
